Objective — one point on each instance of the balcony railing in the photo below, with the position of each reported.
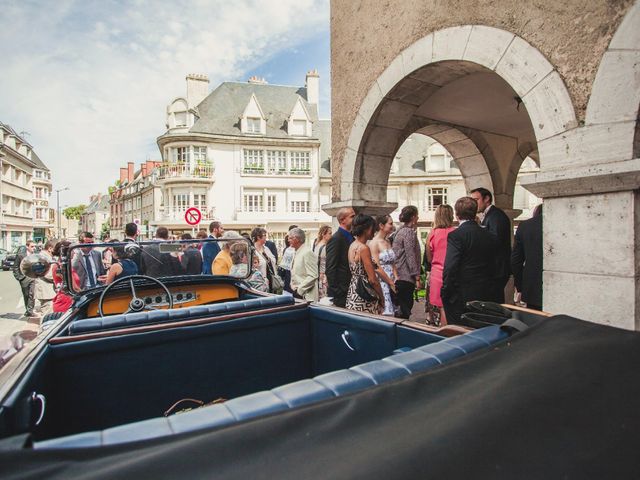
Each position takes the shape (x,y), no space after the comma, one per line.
(185,170)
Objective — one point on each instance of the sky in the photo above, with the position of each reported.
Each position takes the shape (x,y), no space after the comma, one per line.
(90,80)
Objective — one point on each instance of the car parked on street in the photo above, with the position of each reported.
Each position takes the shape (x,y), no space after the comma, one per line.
(10,257)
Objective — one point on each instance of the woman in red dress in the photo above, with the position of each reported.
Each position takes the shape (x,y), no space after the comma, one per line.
(62,302)
(436,253)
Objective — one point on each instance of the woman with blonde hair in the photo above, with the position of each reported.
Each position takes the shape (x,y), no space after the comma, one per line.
(320,249)
(436,252)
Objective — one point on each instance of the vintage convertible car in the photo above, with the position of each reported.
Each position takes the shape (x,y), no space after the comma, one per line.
(299,390)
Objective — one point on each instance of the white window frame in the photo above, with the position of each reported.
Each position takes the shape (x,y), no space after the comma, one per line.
(299,206)
(436,191)
(277,162)
(252,161)
(300,162)
(272,202)
(253,202)
(254,125)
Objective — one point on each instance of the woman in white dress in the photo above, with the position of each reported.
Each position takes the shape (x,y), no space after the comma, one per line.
(385,261)
(267,262)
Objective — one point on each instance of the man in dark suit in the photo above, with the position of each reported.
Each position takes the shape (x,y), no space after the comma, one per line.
(130,236)
(469,263)
(87,263)
(157,264)
(337,264)
(526,260)
(498,224)
(211,249)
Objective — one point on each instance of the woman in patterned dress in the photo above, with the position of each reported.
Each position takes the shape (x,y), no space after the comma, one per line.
(320,249)
(385,259)
(361,266)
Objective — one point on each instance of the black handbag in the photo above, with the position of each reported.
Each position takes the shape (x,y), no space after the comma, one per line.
(365,290)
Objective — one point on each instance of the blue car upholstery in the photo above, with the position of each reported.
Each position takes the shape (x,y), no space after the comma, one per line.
(303,392)
(162,316)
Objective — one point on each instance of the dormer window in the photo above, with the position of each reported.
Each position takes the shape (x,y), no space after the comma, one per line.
(253,120)
(253,125)
(299,122)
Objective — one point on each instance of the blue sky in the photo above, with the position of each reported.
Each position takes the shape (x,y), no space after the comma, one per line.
(90,80)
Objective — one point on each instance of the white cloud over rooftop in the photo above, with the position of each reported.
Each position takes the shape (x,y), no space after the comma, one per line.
(90,80)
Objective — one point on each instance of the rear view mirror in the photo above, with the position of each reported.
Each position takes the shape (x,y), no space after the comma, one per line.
(35,265)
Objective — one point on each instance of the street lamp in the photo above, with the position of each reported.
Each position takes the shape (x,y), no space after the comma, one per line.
(58,190)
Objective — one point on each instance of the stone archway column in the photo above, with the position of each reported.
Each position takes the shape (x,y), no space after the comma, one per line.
(591,248)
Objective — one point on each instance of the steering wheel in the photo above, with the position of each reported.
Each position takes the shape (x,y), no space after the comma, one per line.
(136,304)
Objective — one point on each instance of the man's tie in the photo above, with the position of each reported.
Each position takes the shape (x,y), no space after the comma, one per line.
(90,274)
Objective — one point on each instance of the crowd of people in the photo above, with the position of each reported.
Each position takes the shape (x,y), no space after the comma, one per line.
(366,265)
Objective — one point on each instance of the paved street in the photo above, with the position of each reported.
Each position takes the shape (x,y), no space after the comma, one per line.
(12,309)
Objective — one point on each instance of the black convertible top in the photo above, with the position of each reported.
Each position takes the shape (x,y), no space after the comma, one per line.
(559,400)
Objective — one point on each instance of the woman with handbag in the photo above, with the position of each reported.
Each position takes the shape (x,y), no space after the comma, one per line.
(267,262)
(364,294)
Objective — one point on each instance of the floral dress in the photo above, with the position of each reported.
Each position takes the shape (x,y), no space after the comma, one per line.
(387,260)
(354,301)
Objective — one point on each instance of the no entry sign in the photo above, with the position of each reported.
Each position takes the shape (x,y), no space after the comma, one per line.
(193,216)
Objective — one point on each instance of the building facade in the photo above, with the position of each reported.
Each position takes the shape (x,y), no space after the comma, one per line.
(25,187)
(95,215)
(246,154)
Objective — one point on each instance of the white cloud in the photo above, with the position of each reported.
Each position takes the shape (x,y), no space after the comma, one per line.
(90,80)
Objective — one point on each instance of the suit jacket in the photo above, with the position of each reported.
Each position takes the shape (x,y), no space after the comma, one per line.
(526,260)
(337,266)
(209,252)
(192,261)
(498,224)
(156,264)
(304,273)
(469,265)
(78,264)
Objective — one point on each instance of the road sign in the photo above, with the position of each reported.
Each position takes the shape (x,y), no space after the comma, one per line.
(193,216)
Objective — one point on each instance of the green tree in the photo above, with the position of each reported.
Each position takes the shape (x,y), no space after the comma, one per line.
(73,213)
(104,231)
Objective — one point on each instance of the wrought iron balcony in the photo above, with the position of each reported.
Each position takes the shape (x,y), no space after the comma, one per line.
(185,170)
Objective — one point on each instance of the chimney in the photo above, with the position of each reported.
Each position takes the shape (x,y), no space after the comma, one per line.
(123,175)
(130,171)
(151,165)
(257,80)
(143,167)
(312,82)
(197,88)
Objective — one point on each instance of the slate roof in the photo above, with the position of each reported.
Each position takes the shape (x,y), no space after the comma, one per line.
(410,157)
(100,205)
(39,163)
(35,159)
(219,113)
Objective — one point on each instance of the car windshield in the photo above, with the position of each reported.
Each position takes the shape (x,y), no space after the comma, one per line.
(95,265)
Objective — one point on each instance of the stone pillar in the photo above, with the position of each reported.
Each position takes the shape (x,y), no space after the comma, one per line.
(591,248)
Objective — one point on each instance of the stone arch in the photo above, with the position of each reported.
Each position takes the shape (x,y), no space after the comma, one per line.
(615,97)
(397,104)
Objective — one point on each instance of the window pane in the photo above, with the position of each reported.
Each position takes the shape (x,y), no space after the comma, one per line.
(436,163)
(253,161)
(436,196)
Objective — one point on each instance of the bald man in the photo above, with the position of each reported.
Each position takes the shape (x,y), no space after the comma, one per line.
(337,265)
